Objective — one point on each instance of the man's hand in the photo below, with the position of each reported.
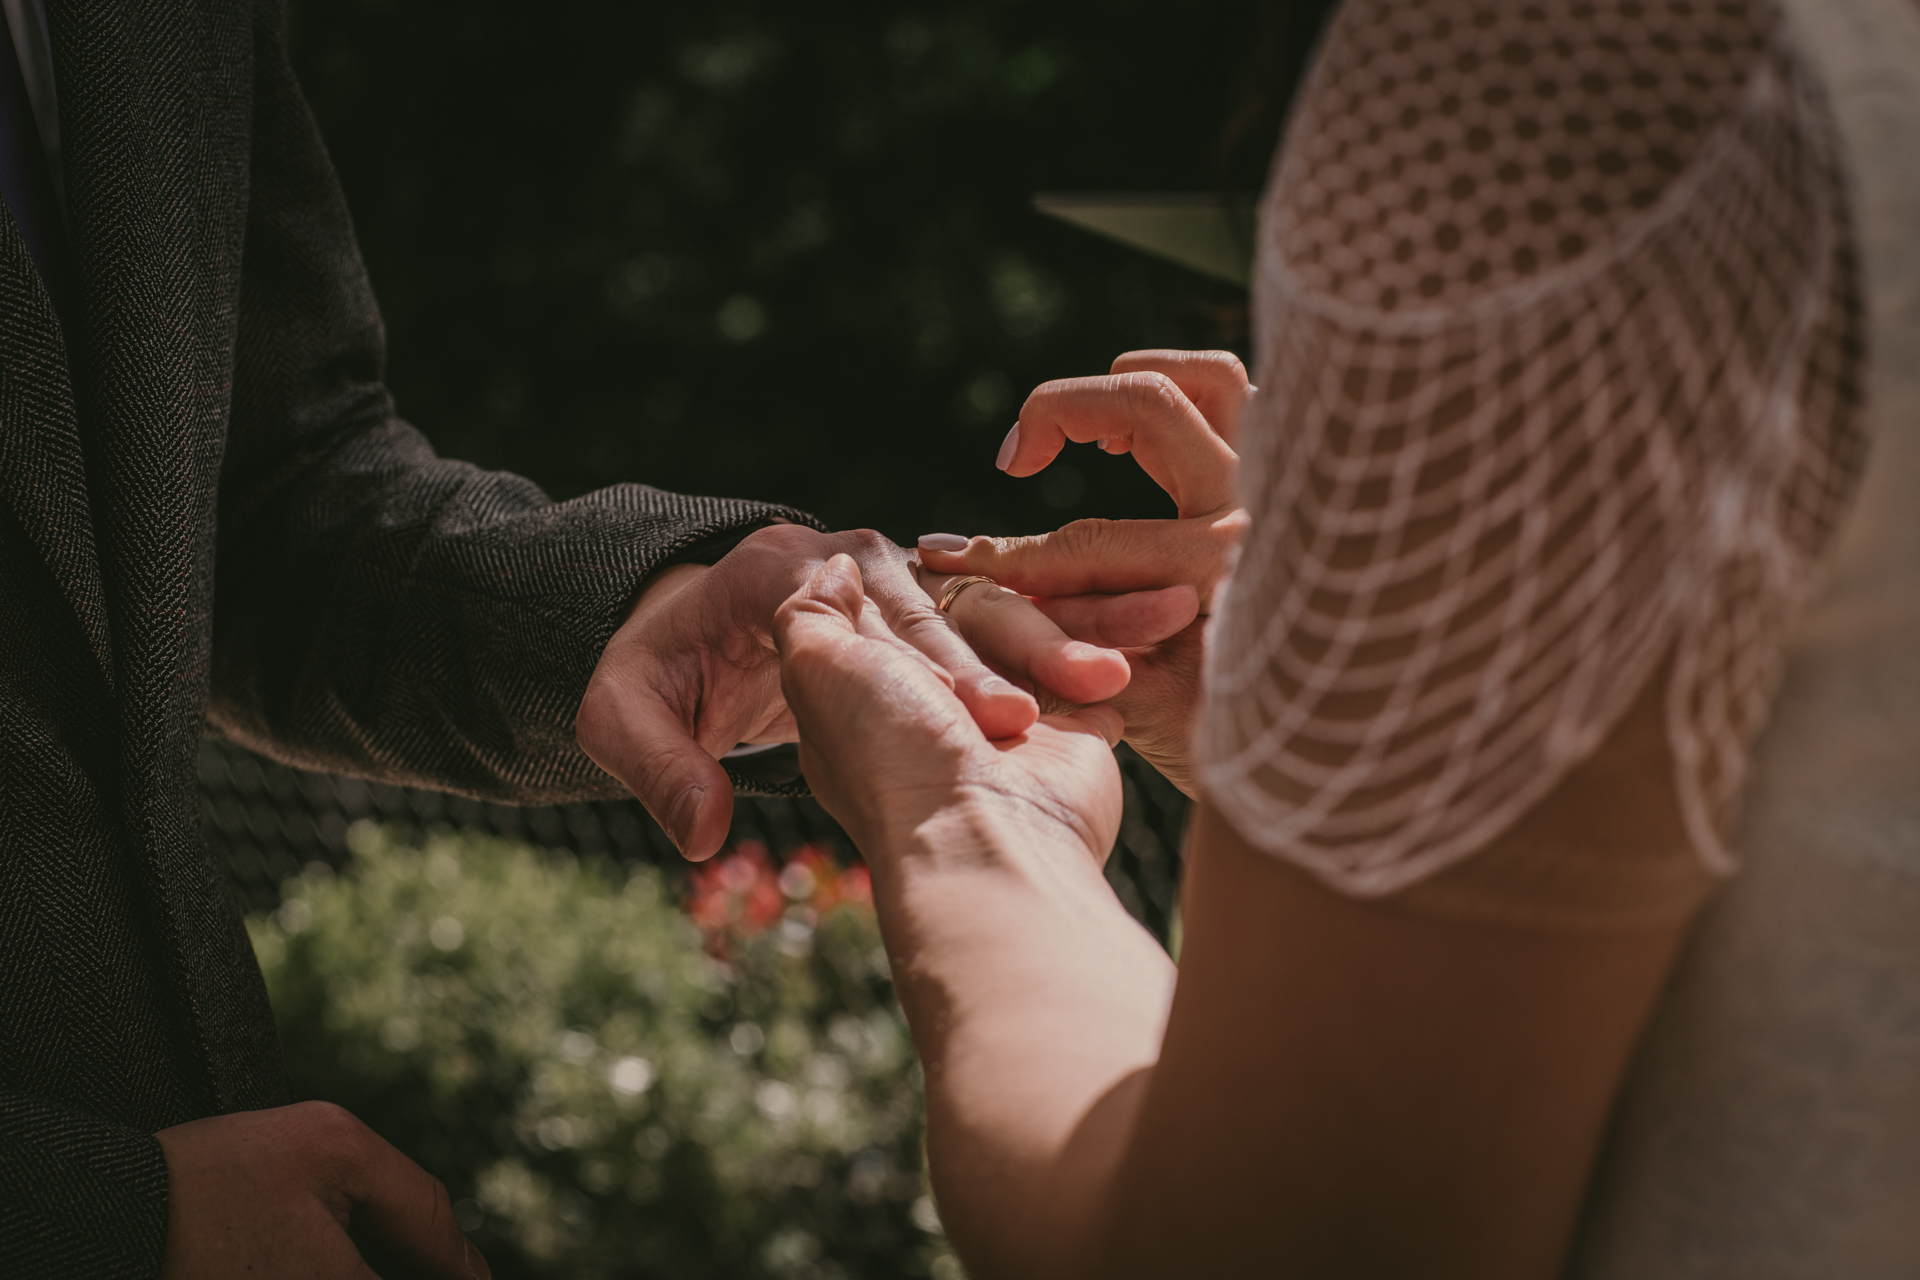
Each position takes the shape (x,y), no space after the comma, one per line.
(693,672)
(271,1193)
(1177,412)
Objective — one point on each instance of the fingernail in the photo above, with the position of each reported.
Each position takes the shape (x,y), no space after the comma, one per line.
(995,687)
(942,542)
(686,811)
(1007,448)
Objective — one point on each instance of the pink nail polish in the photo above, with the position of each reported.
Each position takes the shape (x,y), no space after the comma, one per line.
(942,542)
(1008,447)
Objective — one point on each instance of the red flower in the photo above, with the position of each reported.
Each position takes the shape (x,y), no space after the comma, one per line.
(740,895)
(856,886)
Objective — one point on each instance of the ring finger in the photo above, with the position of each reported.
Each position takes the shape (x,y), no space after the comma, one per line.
(1015,637)
(998,707)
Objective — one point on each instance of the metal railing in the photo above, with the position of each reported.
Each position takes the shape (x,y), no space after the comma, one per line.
(266,822)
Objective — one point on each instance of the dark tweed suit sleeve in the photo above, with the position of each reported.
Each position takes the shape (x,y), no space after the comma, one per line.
(378,609)
(64,1176)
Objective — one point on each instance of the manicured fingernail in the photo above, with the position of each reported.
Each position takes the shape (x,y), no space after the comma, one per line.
(1007,448)
(942,542)
(686,811)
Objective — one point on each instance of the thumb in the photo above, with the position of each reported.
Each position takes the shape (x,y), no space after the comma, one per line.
(638,731)
(836,652)
(409,1210)
(829,602)
(1100,719)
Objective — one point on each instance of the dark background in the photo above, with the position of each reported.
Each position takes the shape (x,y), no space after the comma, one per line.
(780,251)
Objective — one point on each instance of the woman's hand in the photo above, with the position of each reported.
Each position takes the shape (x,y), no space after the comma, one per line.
(1113,582)
(1036,1002)
(887,746)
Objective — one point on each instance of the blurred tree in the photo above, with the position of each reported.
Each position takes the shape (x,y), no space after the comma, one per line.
(774,251)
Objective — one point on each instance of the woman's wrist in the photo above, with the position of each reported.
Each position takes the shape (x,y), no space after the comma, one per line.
(980,830)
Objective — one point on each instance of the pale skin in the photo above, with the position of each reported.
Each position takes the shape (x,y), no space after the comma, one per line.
(1327,1087)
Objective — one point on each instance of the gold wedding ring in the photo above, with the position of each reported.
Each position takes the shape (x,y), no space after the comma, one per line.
(958,585)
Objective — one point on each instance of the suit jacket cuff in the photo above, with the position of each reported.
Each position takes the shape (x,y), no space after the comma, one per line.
(79,1195)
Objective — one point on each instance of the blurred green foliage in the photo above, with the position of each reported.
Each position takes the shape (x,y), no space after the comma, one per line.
(777,251)
(607,1090)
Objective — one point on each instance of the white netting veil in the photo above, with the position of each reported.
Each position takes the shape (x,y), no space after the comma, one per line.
(1557,352)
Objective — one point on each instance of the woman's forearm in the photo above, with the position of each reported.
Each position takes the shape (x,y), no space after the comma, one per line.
(1038,1006)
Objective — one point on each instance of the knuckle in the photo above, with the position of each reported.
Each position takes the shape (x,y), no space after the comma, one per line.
(985,550)
(864,544)
(789,633)
(1085,534)
(936,636)
(783,540)
(1053,388)
(328,1128)
(1001,557)
(916,617)
(1047,408)
(1149,357)
(1228,363)
(1154,393)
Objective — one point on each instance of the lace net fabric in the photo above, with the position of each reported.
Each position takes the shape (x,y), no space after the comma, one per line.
(1558,349)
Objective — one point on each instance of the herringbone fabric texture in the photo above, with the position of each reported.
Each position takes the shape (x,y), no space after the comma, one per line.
(210,516)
